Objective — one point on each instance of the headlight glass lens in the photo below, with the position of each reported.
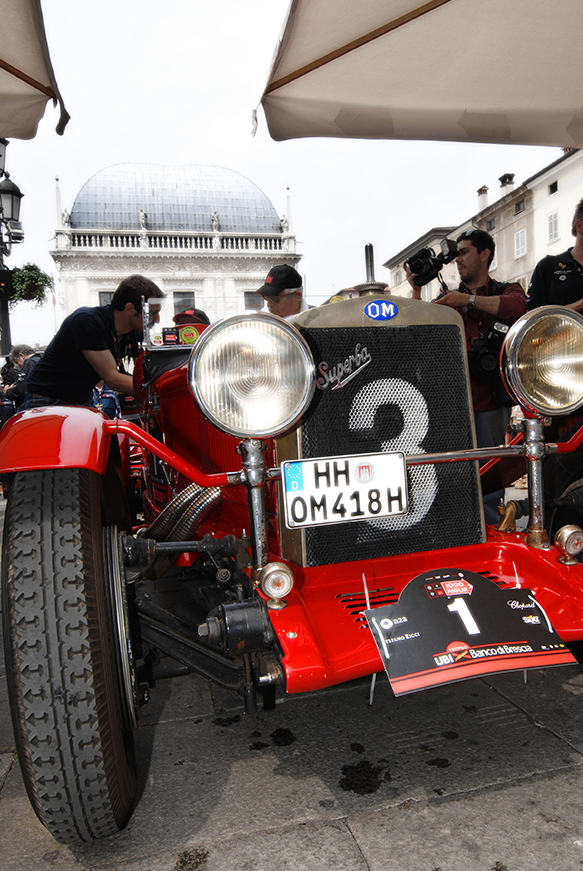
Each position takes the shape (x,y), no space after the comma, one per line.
(543,360)
(252,375)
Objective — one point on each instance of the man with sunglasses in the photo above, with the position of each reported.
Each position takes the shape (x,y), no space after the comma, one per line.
(283,293)
(481,300)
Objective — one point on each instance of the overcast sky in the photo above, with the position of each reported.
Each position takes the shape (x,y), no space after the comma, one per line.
(176,82)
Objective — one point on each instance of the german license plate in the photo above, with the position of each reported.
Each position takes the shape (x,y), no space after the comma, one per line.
(340,489)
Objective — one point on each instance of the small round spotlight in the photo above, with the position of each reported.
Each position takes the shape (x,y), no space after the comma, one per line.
(276,581)
(569,543)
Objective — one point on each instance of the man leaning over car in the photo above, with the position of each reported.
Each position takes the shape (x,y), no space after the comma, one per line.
(89,347)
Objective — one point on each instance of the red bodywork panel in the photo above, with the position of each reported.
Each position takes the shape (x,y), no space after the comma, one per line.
(186,431)
(188,434)
(55,438)
(322,632)
(71,437)
(327,641)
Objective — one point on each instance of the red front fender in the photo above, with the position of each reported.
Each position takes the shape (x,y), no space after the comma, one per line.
(55,437)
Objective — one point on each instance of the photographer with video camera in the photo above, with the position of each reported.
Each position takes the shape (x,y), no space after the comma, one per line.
(488,307)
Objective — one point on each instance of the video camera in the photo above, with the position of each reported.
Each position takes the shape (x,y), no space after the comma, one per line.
(426,264)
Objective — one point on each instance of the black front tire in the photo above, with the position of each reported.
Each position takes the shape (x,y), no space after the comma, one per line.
(75,751)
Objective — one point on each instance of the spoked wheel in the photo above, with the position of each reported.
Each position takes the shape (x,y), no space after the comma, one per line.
(125,665)
(72,705)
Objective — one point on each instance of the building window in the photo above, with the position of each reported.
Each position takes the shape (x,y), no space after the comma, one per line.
(553,220)
(553,187)
(491,224)
(398,278)
(105,297)
(182,300)
(519,207)
(253,301)
(520,243)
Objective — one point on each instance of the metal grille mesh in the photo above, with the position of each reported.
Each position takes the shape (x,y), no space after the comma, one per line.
(411,396)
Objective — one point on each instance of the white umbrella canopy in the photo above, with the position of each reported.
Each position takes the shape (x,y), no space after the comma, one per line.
(27,80)
(499,71)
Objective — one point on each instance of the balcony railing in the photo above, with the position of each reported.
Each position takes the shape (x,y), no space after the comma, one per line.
(147,240)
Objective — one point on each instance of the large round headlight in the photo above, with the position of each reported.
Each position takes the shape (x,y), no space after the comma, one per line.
(252,375)
(542,360)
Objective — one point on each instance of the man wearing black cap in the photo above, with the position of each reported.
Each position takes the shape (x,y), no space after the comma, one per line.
(282,292)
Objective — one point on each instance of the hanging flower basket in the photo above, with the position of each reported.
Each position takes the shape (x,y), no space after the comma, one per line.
(33,292)
(30,283)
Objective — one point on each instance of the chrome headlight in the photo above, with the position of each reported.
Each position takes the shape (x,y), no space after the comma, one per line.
(542,360)
(253,376)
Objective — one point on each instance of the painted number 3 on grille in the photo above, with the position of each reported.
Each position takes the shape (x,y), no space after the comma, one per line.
(341,489)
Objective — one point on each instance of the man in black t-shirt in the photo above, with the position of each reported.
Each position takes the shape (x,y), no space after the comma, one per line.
(89,347)
(559,280)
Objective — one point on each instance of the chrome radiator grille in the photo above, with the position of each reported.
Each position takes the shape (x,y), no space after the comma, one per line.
(404,389)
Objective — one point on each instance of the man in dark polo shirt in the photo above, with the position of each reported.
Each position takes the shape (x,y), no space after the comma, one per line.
(558,280)
(89,347)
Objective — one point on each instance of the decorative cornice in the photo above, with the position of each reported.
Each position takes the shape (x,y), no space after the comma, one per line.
(166,264)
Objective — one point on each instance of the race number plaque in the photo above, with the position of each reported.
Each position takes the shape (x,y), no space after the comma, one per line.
(452,624)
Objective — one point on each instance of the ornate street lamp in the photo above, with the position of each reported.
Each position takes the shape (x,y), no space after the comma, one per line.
(10,197)
(11,233)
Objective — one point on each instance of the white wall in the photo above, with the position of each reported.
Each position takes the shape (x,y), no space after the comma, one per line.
(569,175)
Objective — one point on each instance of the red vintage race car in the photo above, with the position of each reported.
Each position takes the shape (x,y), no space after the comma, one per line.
(293,506)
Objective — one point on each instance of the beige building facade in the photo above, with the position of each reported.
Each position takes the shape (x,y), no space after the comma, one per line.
(527,222)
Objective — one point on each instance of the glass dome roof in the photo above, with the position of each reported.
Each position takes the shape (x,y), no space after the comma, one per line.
(173,198)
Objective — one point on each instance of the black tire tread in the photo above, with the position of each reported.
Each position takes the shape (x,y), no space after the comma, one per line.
(77,763)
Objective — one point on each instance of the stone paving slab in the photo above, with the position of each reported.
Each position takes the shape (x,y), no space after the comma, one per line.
(534,826)
(326,766)
(326,756)
(553,698)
